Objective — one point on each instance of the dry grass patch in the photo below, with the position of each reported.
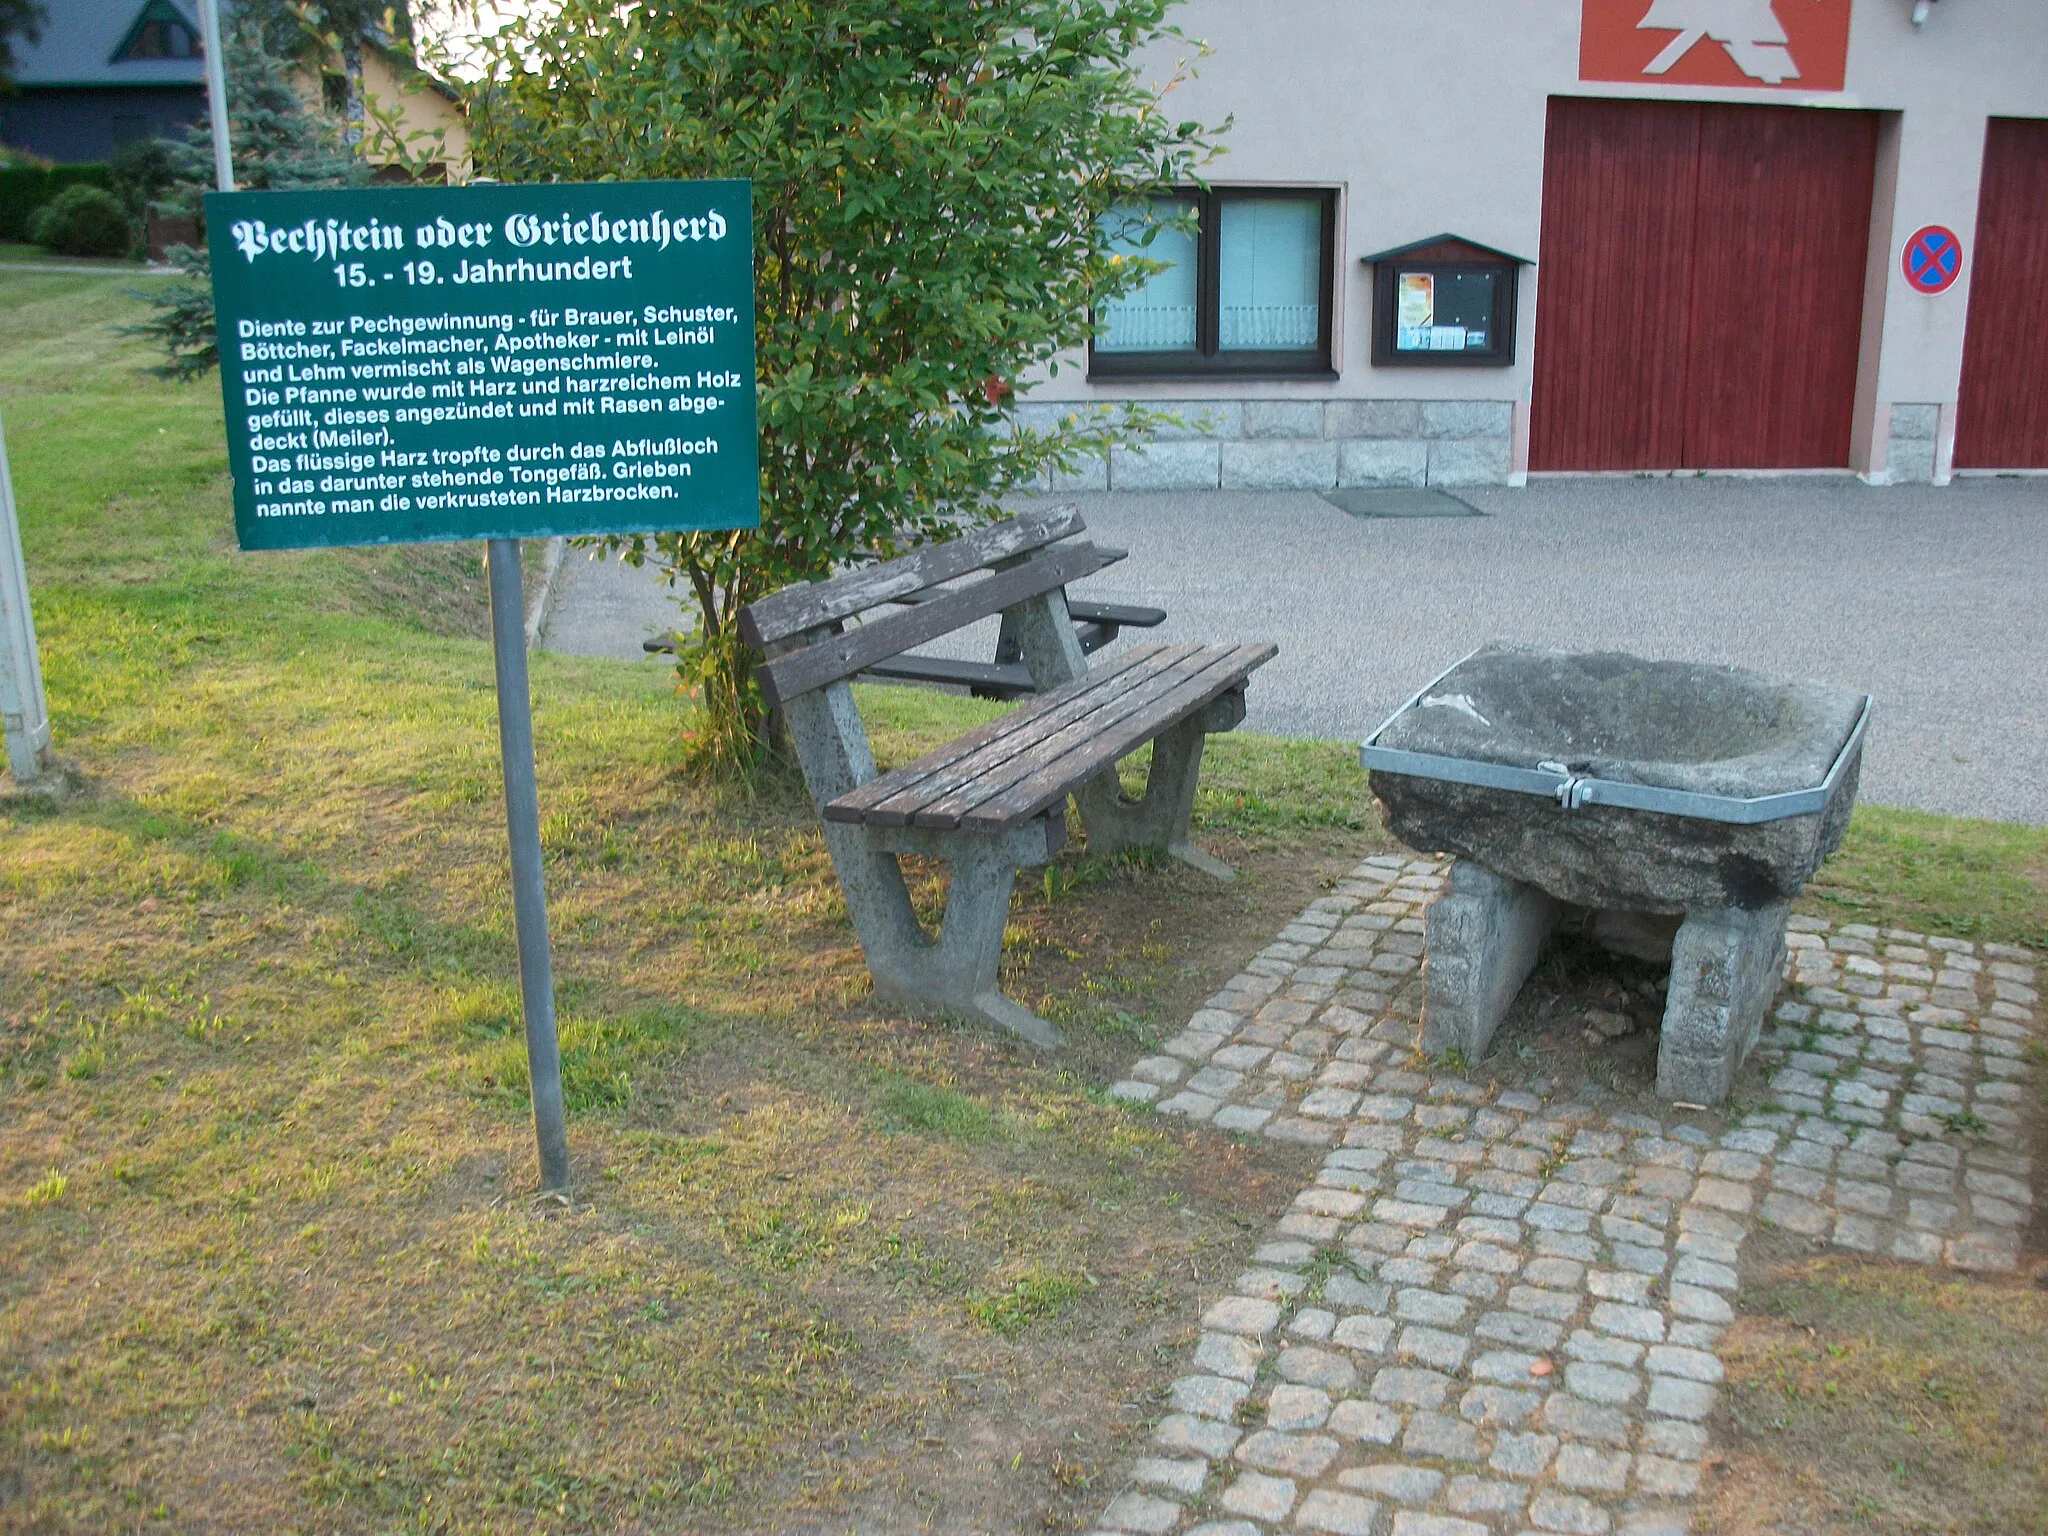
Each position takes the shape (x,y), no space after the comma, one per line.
(821,1259)
(268,1256)
(1883,1398)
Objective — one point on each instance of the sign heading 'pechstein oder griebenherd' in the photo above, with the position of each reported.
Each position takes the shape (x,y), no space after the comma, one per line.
(332,239)
(486,361)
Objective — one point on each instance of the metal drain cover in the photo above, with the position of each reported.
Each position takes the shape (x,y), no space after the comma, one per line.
(1398,501)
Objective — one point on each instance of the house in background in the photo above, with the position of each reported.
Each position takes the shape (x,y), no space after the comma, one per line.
(107,71)
(104,72)
(423,109)
(1460,242)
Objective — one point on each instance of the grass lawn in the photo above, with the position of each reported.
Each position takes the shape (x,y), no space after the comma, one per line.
(269,1256)
(12,252)
(1881,1398)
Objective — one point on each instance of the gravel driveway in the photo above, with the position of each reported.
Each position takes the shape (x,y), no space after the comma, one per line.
(1933,600)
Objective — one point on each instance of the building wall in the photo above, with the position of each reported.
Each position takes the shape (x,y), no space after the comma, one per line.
(74,123)
(428,121)
(1430,119)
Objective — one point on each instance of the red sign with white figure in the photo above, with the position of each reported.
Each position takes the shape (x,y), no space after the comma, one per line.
(1785,45)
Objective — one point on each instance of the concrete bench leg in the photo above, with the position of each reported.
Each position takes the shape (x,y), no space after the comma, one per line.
(1726,965)
(1484,936)
(952,974)
(1043,632)
(1160,818)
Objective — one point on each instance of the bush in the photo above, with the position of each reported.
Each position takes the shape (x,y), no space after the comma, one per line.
(142,171)
(26,186)
(930,180)
(83,221)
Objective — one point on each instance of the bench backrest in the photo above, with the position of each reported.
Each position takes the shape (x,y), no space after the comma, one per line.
(1018,546)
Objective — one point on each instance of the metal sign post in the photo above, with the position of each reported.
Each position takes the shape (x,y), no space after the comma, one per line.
(529,895)
(489,362)
(23,711)
(210,43)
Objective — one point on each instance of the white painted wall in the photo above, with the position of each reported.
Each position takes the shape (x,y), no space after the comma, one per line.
(1429,117)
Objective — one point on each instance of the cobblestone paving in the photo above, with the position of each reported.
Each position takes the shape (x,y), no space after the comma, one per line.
(1496,1309)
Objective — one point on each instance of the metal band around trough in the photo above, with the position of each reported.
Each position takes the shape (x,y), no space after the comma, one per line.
(1571,792)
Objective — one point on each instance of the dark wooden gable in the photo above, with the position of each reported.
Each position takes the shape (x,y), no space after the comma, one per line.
(1444,248)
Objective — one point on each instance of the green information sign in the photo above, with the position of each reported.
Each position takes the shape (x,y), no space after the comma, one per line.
(486,361)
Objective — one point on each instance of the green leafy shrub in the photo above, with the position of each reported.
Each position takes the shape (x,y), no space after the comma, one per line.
(930,183)
(83,221)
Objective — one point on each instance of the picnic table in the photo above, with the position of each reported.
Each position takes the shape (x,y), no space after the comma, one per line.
(993,800)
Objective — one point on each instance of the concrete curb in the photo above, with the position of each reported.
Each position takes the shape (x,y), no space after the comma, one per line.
(544,594)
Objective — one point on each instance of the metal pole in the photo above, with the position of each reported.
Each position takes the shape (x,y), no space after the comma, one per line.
(529,898)
(217,93)
(24,715)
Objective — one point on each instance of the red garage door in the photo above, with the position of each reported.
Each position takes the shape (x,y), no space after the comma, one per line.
(2002,414)
(1700,303)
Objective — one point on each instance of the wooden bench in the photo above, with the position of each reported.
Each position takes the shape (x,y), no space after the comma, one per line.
(993,801)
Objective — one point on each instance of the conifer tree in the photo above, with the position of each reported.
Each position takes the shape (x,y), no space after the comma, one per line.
(278,146)
(20,21)
(322,34)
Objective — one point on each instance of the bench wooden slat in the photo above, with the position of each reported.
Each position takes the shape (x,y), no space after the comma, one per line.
(1095,625)
(1002,764)
(1044,715)
(829,660)
(1009,679)
(1110,556)
(814,604)
(938,790)
(1000,679)
(1123,615)
(1052,773)
(938,799)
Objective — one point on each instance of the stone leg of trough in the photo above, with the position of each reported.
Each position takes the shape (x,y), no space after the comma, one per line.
(1726,964)
(1485,934)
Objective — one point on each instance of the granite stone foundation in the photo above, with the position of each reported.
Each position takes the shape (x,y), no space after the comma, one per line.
(1486,933)
(1314,445)
(1725,968)
(1910,457)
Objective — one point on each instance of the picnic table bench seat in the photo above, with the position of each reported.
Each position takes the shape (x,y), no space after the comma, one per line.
(993,801)
(1095,625)
(1015,767)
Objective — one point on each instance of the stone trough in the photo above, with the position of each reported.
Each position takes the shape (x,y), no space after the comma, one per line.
(1680,804)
